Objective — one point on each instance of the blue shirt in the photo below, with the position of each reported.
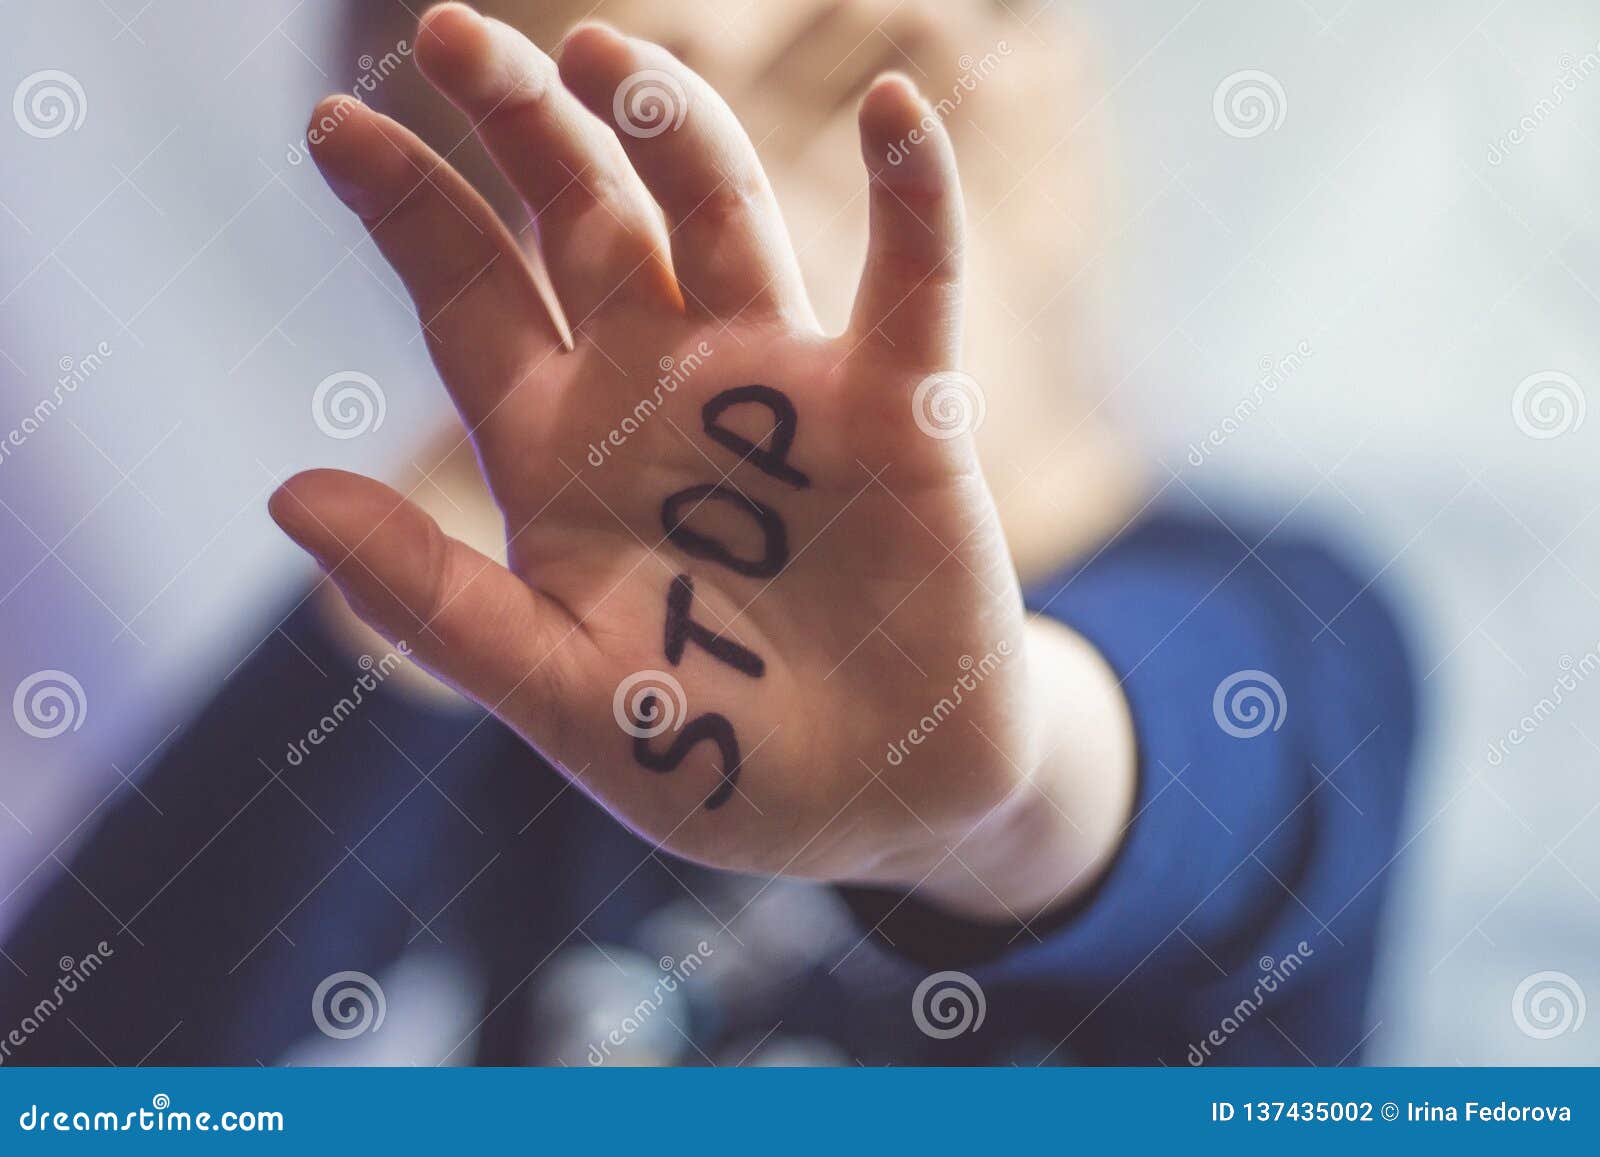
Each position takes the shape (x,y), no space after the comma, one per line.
(1273,707)
(1237,923)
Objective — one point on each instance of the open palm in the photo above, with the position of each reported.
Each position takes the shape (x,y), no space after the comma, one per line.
(752,568)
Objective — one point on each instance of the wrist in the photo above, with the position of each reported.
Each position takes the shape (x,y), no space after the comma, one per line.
(1057,830)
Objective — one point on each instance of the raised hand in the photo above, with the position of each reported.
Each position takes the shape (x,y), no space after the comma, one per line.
(757,600)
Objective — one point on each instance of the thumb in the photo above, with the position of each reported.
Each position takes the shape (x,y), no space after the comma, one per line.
(462,615)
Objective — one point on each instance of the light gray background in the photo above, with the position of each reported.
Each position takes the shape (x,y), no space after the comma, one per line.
(135,550)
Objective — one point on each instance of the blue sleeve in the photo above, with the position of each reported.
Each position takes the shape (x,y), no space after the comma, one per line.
(1273,706)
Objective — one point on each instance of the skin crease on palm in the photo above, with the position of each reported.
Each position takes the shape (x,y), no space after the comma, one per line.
(898,575)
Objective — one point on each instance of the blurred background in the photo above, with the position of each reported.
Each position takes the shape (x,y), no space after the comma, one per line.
(1330,263)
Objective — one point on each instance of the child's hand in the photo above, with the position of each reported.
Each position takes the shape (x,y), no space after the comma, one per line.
(758,604)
